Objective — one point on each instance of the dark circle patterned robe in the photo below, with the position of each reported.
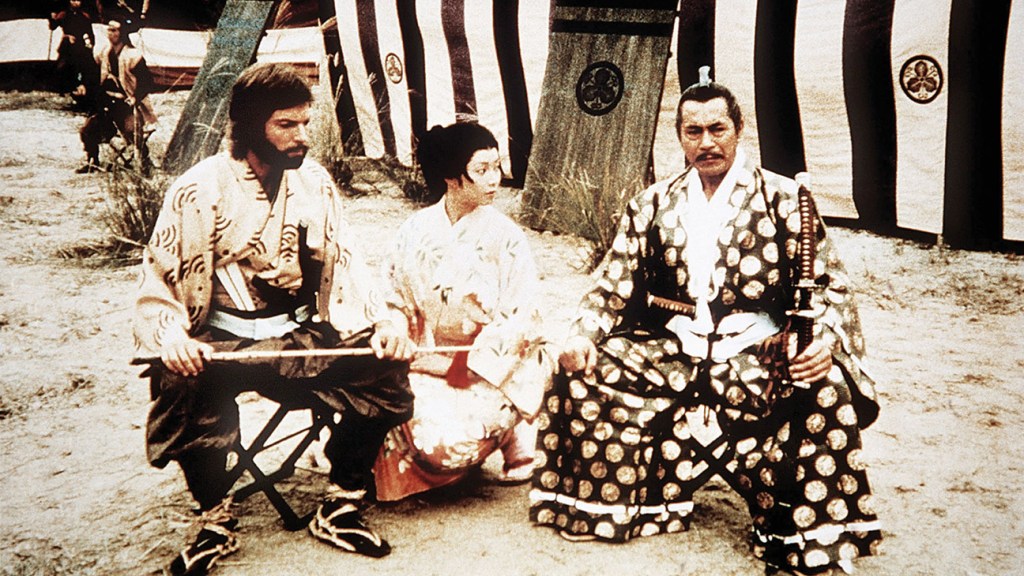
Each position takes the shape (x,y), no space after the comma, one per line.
(617,450)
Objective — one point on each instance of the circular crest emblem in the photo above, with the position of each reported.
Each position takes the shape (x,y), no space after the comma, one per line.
(921,79)
(599,88)
(393,67)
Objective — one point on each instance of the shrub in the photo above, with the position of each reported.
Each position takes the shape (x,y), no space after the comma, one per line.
(133,203)
(407,178)
(133,200)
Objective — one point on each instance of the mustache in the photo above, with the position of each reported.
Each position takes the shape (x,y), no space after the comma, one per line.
(708,156)
(299,149)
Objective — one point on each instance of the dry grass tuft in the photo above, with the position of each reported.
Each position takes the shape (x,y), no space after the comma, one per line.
(133,204)
(407,178)
(326,144)
(576,204)
(133,201)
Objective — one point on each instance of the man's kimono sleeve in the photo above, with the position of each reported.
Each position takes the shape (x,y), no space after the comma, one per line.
(603,308)
(176,271)
(838,324)
(398,293)
(350,294)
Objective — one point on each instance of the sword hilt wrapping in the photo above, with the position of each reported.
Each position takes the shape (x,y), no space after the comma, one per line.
(807,239)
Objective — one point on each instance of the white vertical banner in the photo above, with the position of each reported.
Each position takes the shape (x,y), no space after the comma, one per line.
(533,45)
(920,61)
(487,84)
(437,64)
(358,79)
(1013,127)
(391,51)
(735,24)
(818,66)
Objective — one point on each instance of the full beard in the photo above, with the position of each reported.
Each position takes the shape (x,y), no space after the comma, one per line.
(288,159)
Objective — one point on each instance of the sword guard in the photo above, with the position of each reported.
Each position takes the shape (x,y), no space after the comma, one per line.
(807,284)
(797,384)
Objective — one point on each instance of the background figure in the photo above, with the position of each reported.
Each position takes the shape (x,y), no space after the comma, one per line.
(251,252)
(463,274)
(691,310)
(122,102)
(77,73)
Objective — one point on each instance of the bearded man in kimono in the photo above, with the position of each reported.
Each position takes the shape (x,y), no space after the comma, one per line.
(691,310)
(250,252)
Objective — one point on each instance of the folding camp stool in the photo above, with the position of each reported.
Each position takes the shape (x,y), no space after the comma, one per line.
(712,452)
(321,416)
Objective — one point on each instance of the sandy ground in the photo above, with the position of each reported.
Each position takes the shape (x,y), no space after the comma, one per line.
(77,497)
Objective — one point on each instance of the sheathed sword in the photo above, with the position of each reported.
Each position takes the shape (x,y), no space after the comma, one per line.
(802,317)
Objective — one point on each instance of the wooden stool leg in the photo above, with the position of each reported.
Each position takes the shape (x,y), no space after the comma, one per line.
(265,482)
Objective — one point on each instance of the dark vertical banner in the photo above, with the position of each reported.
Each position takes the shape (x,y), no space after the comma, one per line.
(513,80)
(367,14)
(973,204)
(203,121)
(344,106)
(599,106)
(778,113)
(414,65)
(695,46)
(871,110)
(453,21)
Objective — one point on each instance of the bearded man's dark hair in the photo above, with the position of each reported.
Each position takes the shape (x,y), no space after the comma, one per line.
(259,91)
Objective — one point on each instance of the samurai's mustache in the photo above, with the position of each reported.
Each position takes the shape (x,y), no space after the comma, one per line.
(708,156)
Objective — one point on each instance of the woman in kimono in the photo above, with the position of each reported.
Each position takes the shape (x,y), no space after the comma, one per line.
(463,275)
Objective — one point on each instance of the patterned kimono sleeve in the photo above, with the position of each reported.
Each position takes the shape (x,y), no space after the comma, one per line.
(354,300)
(603,308)
(175,275)
(842,319)
(515,322)
(398,290)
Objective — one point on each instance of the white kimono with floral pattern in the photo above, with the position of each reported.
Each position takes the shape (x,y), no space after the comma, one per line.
(472,282)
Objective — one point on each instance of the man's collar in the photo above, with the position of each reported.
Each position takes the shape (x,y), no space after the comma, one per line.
(744,170)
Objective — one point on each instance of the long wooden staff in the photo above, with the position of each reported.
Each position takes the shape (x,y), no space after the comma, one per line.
(235,355)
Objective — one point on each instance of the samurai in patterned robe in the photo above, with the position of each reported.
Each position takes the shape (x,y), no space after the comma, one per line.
(463,275)
(250,252)
(691,311)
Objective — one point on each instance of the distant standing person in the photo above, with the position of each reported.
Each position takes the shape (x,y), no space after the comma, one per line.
(251,252)
(691,309)
(123,103)
(76,67)
(463,274)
